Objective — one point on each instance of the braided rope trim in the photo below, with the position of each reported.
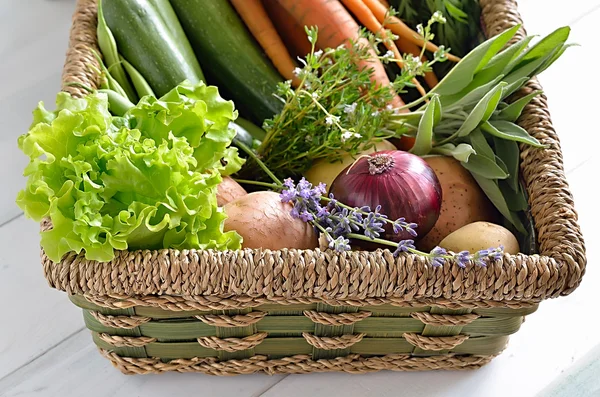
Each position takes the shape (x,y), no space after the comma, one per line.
(125,322)
(232,344)
(126,341)
(332,342)
(239,320)
(80,61)
(444,319)
(291,274)
(205,303)
(335,319)
(434,342)
(300,364)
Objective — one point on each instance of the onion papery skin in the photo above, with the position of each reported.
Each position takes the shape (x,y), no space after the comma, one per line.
(408,188)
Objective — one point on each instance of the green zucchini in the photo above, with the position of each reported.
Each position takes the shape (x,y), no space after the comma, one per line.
(145,37)
(241,134)
(230,57)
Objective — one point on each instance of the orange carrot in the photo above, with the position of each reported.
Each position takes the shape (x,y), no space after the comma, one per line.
(291,32)
(366,17)
(400,28)
(336,27)
(256,19)
(411,48)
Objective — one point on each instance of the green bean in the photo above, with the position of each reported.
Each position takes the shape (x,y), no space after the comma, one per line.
(107,81)
(117,103)
(139,82)
(108,47)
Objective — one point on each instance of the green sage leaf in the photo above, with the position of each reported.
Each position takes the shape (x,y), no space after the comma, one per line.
(483,110)
(493,192)
(513,111)
(462,152)
(528,70)
(462,74)
(554,57)
(498,64)
(513,87)
(511,131)
(485,167)
(469,96)
(518,50)
(546,46)
(501,164)
(480,144)
(424,138)
(509,152)
(515,200)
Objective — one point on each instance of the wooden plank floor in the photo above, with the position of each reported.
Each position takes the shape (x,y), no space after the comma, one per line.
(45,350)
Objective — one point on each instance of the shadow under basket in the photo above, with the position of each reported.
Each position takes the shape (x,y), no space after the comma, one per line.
(289,311)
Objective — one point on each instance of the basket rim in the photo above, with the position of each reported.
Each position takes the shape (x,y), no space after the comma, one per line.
(354,276)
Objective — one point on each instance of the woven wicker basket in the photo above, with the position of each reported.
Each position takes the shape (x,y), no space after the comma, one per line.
(289,311)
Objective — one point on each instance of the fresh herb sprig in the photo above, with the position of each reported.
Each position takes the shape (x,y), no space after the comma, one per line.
(336,109)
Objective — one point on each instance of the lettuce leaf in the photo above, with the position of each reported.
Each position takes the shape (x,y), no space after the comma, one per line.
(147,180)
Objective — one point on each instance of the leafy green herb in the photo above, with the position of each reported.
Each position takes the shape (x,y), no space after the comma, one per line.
(431,117)
(336,108)
(146,180)
(485,167)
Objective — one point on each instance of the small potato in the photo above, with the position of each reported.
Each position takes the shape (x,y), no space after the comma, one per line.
(463,201)
(265,222)
(479,236)
(326,172)
(229,190)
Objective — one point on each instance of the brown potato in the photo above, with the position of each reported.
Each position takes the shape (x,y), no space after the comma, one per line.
(326,172)
(265,222)
(229,190)
(479,236)
(463,201)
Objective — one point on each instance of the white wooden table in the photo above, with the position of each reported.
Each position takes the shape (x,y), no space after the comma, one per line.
(45,350)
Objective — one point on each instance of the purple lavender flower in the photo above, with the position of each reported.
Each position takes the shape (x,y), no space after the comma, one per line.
(438,251)
(372,226)
(497,253)
(320,189)
(340,244)
(479,262)
(404,246)
(287,196)
(294,212)
(462,258)
(289,183)
(357,216)
(401,223)
(437,256)
(437,261)
(306,216)
(340,222)
(480,255)
(322,212)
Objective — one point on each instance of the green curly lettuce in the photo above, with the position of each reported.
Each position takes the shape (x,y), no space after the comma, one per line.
(147,180)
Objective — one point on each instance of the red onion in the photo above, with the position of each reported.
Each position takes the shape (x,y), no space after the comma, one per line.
(403,184)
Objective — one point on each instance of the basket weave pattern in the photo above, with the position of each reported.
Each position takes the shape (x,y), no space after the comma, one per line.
(290,311)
